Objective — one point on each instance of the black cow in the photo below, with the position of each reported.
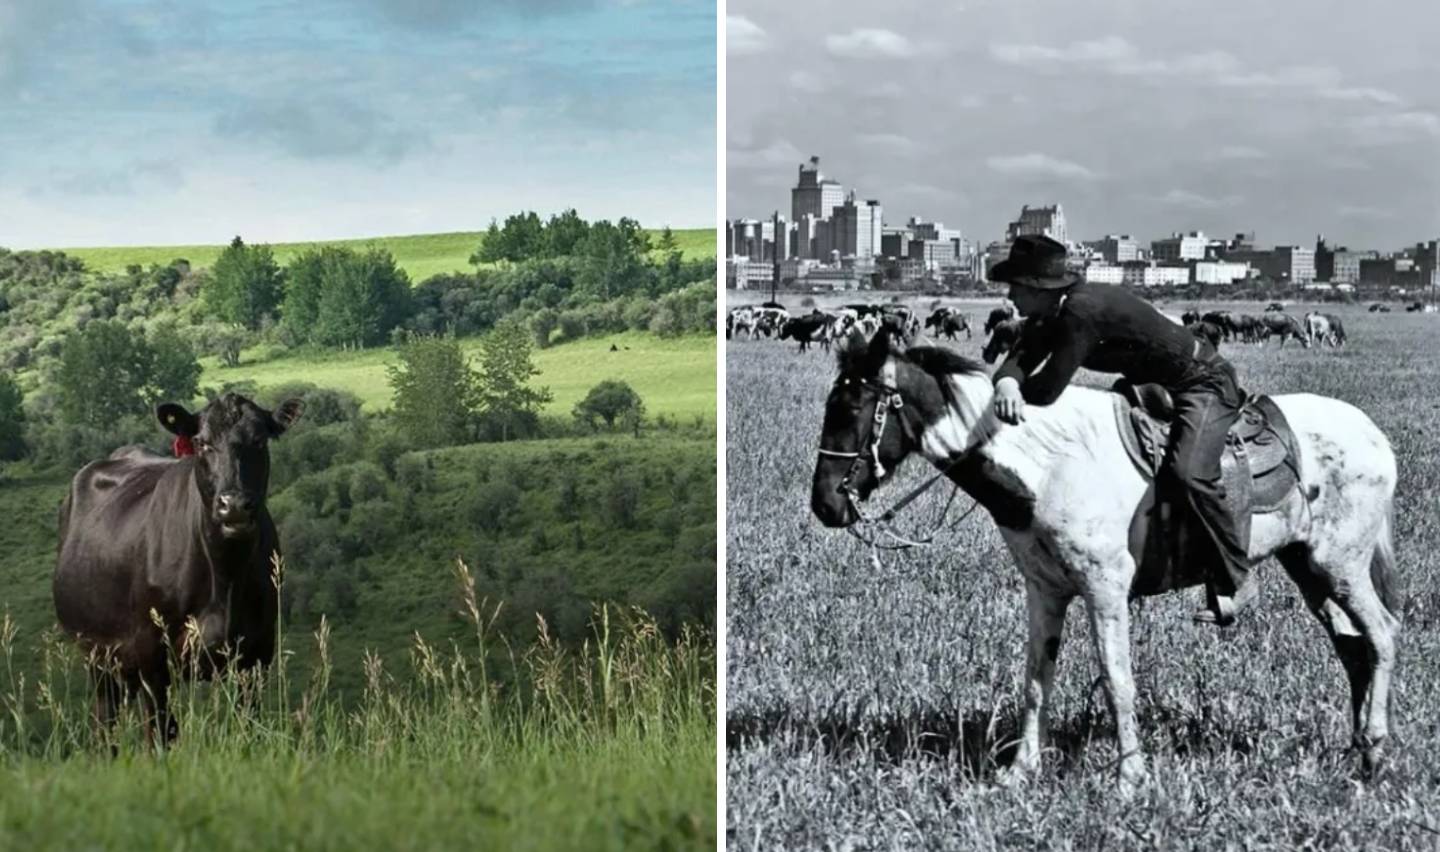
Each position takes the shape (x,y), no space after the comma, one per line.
(948,322)
(147,539)
(1207,331)
(1002,339)
(805,330)
(997,316)
(1190,317)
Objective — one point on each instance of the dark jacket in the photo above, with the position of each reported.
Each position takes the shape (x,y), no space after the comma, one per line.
(1104,328)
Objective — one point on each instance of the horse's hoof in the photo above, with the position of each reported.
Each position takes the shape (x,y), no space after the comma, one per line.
(1372,761)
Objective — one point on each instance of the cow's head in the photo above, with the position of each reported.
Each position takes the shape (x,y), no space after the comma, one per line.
(231,437)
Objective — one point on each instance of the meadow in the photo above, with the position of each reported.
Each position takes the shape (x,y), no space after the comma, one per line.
(420,255)
(870,706)
(608,747)
(675,376)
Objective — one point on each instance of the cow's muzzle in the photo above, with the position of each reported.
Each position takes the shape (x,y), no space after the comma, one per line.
(236,513)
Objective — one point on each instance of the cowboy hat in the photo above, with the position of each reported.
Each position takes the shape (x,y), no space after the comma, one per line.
(1036,261)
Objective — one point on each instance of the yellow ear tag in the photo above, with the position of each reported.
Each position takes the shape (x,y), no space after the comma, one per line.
(169,418)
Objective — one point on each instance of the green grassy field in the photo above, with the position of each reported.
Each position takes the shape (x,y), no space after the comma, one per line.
(420,255)
(674,376)
(612,747)
(869,706)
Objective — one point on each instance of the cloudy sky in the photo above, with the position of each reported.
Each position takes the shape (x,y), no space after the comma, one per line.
(175,121)
(1285,117)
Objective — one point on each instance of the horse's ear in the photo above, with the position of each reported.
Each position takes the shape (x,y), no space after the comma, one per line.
(850,350)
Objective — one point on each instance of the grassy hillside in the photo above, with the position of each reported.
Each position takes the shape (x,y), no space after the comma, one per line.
(420,255)
(675,377)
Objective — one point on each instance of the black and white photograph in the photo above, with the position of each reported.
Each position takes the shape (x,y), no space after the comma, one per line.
(1081,446)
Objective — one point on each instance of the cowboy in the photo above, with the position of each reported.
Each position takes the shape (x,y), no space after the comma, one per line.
(1104,328)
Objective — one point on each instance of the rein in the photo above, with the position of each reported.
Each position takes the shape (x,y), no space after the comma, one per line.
(888,398)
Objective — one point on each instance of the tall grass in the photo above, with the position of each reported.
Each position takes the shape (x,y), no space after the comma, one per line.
(605,745)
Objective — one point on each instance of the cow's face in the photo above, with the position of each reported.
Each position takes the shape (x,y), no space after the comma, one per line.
(231,437)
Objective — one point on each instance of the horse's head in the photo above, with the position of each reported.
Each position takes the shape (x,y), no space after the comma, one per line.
(864,435)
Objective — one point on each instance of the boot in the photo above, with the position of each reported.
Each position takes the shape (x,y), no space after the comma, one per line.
(1221,610)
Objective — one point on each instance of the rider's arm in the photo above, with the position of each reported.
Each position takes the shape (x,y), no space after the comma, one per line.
(1071,342)
(1026,355)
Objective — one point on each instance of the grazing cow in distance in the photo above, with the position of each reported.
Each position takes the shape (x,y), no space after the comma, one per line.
(740,319)
(1004,337)
(1285,326)
(1207,331)
(948,322)
(805,330)
(1324,328)
(1273,307)
(1190,317)
(999,315)
(148,543)
(1224,320)
(1380,308)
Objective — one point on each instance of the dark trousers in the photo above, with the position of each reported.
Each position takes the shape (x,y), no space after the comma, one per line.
(1205,409)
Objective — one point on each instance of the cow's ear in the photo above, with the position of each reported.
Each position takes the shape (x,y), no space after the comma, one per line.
(286,415)
(177,420)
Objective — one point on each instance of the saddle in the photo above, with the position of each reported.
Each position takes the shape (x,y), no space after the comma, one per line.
(1259,468)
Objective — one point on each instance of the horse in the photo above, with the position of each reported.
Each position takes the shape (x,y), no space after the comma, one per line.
(1063,491)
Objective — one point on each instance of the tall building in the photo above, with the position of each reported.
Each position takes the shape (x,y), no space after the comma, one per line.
(1038,221)
(855,229)
(814,194)
(1116,248)
(1178,247)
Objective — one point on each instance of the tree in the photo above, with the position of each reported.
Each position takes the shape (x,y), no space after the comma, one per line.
(609,401)
(615,259)
(12,419)
(505,371)
(103,373)
(522,238)
(436,392)
(174,371)
(244,285)
(363,296)
(564,234)
(225,342)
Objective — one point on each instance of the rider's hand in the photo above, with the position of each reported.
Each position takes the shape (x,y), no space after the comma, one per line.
(1009,404)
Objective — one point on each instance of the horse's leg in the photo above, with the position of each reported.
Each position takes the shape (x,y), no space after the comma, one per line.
(1363,633)
(1047,624)
(1110,627)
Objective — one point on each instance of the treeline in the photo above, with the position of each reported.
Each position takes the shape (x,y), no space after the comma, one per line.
(564,278)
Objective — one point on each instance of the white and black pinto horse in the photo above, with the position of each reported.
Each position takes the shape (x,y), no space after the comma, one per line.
(1069,536)
(948,322)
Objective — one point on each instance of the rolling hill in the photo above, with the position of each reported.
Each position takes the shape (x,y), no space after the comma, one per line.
(420,255)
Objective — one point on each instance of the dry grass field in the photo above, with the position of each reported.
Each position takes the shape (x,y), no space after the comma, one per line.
(870,709)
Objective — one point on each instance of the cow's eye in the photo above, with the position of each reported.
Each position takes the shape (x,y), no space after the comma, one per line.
(201,446)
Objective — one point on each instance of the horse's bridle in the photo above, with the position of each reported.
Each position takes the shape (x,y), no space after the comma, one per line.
(886,398)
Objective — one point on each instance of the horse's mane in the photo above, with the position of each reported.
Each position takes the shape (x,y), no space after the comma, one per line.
(939,361)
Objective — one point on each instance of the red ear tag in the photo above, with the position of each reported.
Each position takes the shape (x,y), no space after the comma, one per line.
(183,447)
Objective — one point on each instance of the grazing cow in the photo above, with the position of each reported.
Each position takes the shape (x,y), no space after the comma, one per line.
(1324,328)
(1002,339)
(814,328)
(1380,307)
(1207,331)
(740,319)
(1414,307)
(1224,320)
(1285,326)
(948,322)
(148,543)
(1273,307)
(1337,330)
(1190,317)
(770,319)
(901,319)
(999,315)
(869,325)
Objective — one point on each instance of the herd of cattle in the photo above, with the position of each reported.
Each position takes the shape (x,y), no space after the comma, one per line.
(773,320)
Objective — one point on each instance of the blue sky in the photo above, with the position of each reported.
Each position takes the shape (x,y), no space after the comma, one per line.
(168,121)
(1285,117)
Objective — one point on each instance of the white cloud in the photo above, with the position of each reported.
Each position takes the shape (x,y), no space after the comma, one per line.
(743,36)
(1356,211)
(1195,201)
(1240,152)
(1362,93)
(1039,165)
(777,153)
(867,43)
(806,81)
(970,102)
(1107,49)
(892,141)
(1405,123)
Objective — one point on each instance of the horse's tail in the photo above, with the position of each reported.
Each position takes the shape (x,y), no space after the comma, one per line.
(1382,563)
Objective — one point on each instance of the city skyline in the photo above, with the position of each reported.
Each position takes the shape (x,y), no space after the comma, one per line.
(151,122)
(1219,126)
